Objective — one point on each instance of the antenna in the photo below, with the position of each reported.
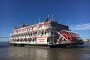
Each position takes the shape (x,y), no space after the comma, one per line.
(60,20)
(35,21)
(67,23)
(52,17)
(39,19)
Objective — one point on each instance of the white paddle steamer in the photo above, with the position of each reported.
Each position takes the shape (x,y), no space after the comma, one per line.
(48,33)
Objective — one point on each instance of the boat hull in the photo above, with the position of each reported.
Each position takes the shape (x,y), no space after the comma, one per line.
(49,45)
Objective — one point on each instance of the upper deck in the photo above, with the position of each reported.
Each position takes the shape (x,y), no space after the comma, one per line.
(40,26)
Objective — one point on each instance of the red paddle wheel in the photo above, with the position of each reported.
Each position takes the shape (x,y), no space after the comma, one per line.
(71,36)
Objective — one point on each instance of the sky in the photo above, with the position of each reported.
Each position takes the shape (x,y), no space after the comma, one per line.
(74,13)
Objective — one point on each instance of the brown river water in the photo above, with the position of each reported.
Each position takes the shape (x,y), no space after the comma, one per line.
(27,53)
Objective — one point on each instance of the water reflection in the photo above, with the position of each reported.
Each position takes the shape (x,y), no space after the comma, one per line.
(28,53)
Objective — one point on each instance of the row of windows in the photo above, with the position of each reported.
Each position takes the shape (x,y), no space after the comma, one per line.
(27,30)
(33,40)
(35,33)
(22,41)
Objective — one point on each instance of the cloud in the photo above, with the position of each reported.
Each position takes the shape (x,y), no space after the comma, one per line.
(81,27)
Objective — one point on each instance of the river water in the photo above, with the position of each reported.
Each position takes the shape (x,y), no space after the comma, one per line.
(27,53)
